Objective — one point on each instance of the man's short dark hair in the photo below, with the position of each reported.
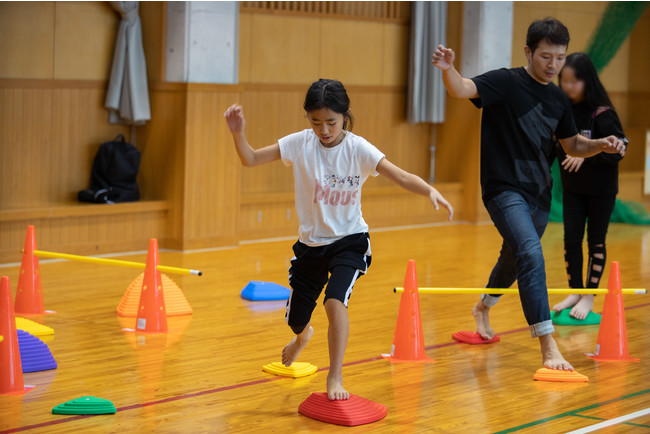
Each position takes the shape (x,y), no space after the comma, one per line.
(548,29)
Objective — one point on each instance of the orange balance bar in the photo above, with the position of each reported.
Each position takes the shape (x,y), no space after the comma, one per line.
(116,262)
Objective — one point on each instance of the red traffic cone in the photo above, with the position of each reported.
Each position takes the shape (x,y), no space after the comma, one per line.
(152,317)
(11,369)
(611,345)
(408,342)
(29,295)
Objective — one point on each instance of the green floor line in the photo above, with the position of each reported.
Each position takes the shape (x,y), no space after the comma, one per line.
(603,419)
(573,412)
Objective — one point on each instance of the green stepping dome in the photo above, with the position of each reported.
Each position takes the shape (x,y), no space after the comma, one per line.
(563,318)
(86,405)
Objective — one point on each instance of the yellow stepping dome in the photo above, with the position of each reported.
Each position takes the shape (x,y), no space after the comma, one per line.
(175,301)
(296,370)
(33,328)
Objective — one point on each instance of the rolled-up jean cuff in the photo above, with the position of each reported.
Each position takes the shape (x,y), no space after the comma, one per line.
(488,300)
(541,328)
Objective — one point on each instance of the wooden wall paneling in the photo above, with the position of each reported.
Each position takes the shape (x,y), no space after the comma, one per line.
(458,156)
(162,142)
(27,49)
(395,54)
(84,229)
(387,11)
(49,138)
(351,51)
(153,17)
(270,115)
(270,216)
(287,56)
(245,49)
(84,38)
(635,156)
(637,110)
(212,179)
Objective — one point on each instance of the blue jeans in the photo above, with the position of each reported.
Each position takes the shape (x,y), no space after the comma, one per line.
(521,225)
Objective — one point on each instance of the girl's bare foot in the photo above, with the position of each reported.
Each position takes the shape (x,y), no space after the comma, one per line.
(335,390)
(568,302)
(551,356)
(482,316)
(583,307)
(291,351)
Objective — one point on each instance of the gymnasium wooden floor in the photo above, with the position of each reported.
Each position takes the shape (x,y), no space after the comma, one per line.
(205,374)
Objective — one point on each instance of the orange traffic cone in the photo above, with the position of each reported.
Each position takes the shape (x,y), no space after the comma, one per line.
(11,368)
(408,342)
(611,345)
(29,295)
(152,317)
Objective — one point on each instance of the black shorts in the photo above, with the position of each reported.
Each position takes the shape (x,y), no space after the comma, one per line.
(343,261)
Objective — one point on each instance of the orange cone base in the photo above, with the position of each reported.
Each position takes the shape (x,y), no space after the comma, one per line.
(19,392)
(557,375)
(610,359)
(349,412)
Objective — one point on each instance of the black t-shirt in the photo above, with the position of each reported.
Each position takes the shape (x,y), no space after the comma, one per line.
(598,175)
(520,119)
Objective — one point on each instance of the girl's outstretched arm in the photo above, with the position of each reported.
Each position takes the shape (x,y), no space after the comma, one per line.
(413,183)
(249,157)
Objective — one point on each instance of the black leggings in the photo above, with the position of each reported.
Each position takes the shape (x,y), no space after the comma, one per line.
(577,210)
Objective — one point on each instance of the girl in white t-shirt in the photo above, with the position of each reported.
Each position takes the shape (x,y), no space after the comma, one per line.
(330,164)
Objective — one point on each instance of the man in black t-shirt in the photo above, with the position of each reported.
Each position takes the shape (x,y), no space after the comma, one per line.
(522,112)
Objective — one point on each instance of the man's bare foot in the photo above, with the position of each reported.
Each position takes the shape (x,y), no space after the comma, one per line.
(551,356)
(583,307)
(482,316)
(291,351)
(568,302)
(335,390)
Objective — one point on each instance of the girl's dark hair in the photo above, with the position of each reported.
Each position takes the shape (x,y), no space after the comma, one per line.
(329,94)
(548,29)
(595,93)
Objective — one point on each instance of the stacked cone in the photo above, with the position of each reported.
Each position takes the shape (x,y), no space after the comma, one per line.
(152,317)
(29,295)
(11,371)
(611,345)
(175,302)
(408,341)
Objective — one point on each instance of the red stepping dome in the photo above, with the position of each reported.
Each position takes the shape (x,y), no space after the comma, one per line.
(350,412)
(473,338)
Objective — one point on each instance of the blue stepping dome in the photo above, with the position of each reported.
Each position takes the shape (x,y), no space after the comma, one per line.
(264,291)
(35,355)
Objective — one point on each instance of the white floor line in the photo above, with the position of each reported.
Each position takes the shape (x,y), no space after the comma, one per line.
(611,422)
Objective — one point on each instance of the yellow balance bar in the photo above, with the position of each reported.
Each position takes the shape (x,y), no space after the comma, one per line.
(116,262)
(516,291)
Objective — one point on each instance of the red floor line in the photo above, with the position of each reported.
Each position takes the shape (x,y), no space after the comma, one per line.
(240,385)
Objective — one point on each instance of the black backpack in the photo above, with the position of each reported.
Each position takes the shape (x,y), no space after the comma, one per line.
(113,174)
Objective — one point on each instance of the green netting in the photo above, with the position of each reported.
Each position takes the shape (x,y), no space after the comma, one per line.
(615,26)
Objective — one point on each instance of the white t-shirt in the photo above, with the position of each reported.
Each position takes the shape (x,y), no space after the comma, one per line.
(328,184)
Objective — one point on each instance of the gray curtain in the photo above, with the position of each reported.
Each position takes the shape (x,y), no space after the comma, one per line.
(127,98)
(426,92)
